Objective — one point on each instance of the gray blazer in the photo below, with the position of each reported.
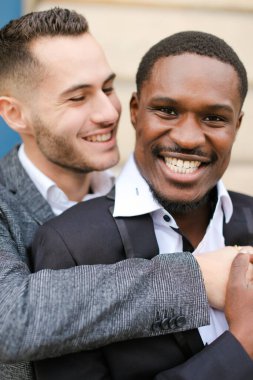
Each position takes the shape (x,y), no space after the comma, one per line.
(51,313)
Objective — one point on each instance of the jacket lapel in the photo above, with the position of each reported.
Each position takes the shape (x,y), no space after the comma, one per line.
(142,244)
(239,230)
(15,179)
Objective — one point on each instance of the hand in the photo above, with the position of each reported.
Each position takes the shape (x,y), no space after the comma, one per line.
(239,301)
(215,267)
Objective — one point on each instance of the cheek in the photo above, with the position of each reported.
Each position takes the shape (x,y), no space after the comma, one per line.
(142,142)
(222,143)
(72,122)
(145,130)
(152,129)
(225,151)
(222,151)
(116,103)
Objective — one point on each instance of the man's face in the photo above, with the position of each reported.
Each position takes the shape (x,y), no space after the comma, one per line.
(75,110)
(186,119)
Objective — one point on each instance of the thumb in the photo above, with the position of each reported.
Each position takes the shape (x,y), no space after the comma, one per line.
(239,268)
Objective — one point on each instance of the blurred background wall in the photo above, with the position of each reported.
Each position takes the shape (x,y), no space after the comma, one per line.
(8,10)
(127,28)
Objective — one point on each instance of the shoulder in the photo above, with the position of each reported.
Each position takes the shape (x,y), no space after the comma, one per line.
(90,208)
(88,231)
(7,163)
(241,199)
(94,209)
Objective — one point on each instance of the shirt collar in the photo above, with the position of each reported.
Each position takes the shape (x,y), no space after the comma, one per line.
(224,201)
(101,184)
(132,193)
(133,196)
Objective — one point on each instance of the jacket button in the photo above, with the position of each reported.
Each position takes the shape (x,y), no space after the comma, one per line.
(180,321)
(165,324)
(172,323)
(157,325)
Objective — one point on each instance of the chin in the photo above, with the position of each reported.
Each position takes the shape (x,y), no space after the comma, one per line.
(114,160)
(106,164)
(183,205)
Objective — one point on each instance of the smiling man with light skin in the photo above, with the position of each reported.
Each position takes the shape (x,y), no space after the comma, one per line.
(57,92)
(186,113)
(74,133)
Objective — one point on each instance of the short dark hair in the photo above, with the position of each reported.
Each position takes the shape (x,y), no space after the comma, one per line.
(194,42)
(16,60)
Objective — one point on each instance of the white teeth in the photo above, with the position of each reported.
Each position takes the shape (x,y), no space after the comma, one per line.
(181,166)
(99,138)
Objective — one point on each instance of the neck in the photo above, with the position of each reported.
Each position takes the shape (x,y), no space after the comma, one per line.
(193,224)
(193,217)
(74,184)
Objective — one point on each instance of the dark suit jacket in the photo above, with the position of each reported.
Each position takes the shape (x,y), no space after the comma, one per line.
(110,240)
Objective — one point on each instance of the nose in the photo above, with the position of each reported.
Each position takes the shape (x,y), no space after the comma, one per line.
(105,110)
(188,133)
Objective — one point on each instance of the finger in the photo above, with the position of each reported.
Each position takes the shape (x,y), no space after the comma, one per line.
(239,268)
(245,249)
(249,276)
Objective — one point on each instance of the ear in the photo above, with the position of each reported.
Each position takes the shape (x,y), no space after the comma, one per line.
(134,107)
(239,121)
(11,111)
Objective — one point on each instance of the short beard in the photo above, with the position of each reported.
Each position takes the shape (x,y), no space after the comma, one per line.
(179,207)
(57,150)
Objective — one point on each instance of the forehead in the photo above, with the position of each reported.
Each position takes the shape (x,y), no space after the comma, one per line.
(193,74)
(71,58)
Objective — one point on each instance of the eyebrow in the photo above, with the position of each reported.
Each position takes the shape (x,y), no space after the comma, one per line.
(164,99)
(82,86)
(220,107)
(211,107)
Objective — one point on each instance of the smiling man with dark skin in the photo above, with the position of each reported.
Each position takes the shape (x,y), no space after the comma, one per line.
(186,113)
(186,121)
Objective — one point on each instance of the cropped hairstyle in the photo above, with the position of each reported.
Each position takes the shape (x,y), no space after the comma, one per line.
(17,64)
(199,43)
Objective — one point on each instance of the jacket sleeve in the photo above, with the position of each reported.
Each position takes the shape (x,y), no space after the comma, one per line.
(90,306)
(224,359)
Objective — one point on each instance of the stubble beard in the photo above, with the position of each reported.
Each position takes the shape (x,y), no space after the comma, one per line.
(58,150)
(176,207)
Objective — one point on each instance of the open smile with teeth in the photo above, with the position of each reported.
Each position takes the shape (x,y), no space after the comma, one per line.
(100,137)
(181,166)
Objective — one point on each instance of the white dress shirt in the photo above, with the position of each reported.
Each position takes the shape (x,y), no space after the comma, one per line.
(101,184)
(133,197)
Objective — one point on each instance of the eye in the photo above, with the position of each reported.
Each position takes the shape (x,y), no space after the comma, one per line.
(108,90)
(215,121)
(168,111)
(214,118)
(164,111)
(77,99)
